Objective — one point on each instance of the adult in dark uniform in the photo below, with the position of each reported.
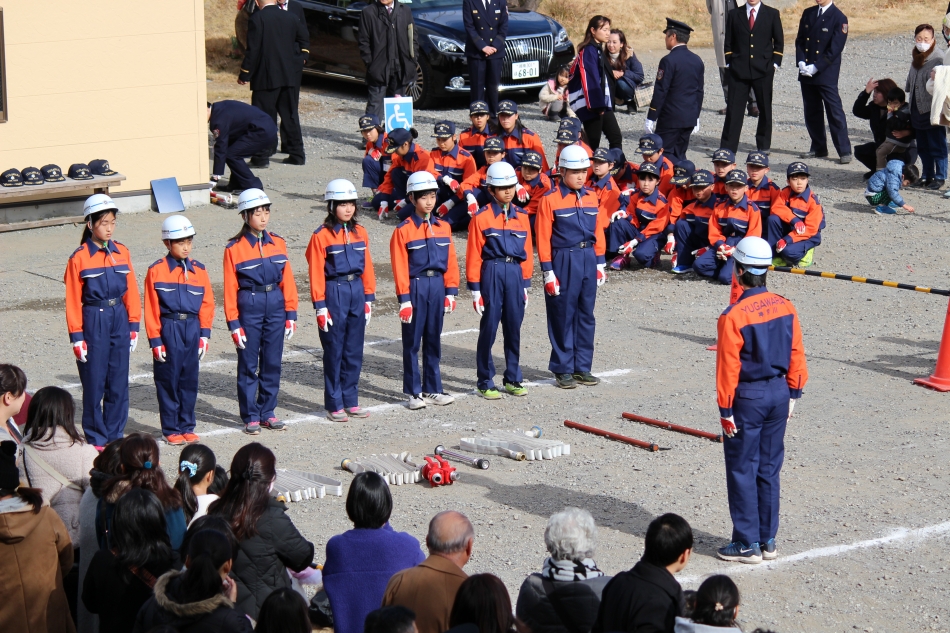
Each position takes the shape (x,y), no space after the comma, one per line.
(277,47)
(388,45)
(822,34)
(486,26)
(677,93)
(240,131)
(296,9)
(753,49)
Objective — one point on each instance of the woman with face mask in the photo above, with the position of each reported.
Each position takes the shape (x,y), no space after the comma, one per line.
(931,139)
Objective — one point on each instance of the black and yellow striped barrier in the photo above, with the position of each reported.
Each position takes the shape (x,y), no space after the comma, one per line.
(859,280)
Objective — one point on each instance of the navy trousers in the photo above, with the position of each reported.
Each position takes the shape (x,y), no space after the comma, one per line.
(708,265)
(372,172)
(251,144)
(428,311)
(262,316)
(343,344)
(484,78)
(675,142)
(754,459)
(105,374)
(818,101)
(794,251)
(571,313)
(690,236)
(503,292)
(176,380)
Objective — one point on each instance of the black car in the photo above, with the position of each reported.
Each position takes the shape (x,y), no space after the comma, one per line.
(536,45)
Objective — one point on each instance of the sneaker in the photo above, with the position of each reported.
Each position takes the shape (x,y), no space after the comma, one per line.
(779,261)
(191,438)
(337,416)
(586,378)
(935,185)
(564,381)
(356,412)
(440,399)
(946,194)
(680,270)
(619,262)
(845,159)
(739,552)
(416,402)
(175,439)
(807,260)
(769,551)
(489,394)
(516,389)
(273,424)
(252,428)
(883,209)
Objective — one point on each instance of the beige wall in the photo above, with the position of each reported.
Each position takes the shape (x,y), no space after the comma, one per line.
(122,80)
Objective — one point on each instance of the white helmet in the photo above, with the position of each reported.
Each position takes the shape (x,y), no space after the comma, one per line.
(340,189)
(501,174)
(574,157)
(97,203)
(176,227)
(420,182)
(754,254)
(251,199)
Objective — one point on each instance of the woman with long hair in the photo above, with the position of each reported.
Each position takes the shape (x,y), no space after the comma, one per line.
(625,67)
(284,611)
(593,85)
(12,391)
(140,469)
(268,542)
(716,607)
(35,553)
(103,311)
(121,579)
(196,470)
(343,288)
(483,600)
(931,139)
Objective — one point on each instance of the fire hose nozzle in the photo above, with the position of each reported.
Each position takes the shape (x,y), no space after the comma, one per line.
(477,462)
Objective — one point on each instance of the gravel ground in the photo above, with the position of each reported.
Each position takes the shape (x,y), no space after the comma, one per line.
(864,474)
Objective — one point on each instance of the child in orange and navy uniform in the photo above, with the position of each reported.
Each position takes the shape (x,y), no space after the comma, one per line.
(794,229)
(535,182)
(376,162)
(734,218)
(636,229)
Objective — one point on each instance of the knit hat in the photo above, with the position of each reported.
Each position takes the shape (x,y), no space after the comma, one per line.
(9,473)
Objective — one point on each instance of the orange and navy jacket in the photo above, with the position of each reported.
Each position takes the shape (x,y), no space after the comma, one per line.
(649,215)
(474,183)
(608,195)
(760,338)
(768,197)
(417,159)
(378,146)
(519,141)
(666,176)
(626,176)
(251,263)
(457,164)
(94,275)
(339,252)
(804,207)
(174,287)
(560,148)
(679,198)
(473,142)
(418,245)
(536,189)
(569,219)
(734,220)
(697,213)
(719,188)
(495,234)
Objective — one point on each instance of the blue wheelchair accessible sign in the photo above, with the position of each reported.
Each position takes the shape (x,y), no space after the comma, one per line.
(398,112)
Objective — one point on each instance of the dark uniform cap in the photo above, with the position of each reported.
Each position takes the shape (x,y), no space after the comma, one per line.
(650,144)
(493,144)
(737,176)
(507,107)
(368,122)
(478,107)
(396,138)
(603,155)
(566,136)
(11,178)
(682,172)
(757,158)
(648,168)
(797,168)
(724,155)
(531,159)
(701,178)
(52,173)
(79,171)
(676,25)
(444,129)
(33,176)
(100,167)
(570,123)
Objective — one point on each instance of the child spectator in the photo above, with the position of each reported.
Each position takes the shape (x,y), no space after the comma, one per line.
(692,228)
(376,161)
(794,228)
(651,146)
(196,467)
(603,184)
(898,120)
(553,96)
(284,611)
(636,232)
(716,607)
(472,139)
(408,158)
(483,600)
(453,164)
(734,218)
(724,161)
(535,182)
(883,192)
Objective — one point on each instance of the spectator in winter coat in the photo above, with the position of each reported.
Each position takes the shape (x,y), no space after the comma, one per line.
(626,68)
(483,600)
(931,139)
(898,122)
(570,584)
(592,86)
(715,610)
(883,192)
(871,105)
(388,45)
(553,96)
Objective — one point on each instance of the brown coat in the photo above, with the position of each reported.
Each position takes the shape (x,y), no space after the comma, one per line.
(429,589)
(35,553)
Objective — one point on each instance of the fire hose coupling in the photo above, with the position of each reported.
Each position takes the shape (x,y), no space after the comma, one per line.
(477,462)
(439,472)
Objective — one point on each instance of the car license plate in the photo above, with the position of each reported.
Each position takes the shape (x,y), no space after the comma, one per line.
(525,70)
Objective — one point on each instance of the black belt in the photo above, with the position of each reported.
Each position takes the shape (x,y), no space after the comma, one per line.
(349,277)
(267,288)
(507,260)
(587,244)
(177,316)
(105,303)
(430,273)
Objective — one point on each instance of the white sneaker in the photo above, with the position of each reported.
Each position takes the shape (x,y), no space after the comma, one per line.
(416,402)
(440,399)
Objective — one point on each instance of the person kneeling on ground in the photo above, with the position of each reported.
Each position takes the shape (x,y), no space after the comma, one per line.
(883,192)
(635,232)
(716,607)
(794,228)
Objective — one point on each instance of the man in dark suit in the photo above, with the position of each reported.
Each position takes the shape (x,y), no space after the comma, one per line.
(240,131)
(486,26)
(677,92)
(388,46)
(753,48)
(277,47)
(294,8)
(822,34)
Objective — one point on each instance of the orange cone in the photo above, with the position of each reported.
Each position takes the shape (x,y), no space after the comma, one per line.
(940,379)
(734,293)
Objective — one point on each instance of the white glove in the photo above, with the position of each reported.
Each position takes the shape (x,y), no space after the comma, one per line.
(451,183)
(399,206)
(791,407)
(696,129)
(239,338)
(383,213)
(526,296)
(369,311)
(450,302)
(551,285)
(776,66)
(472,204)
(202,347)
(324,321)
(601,274)
(159,354)
(79,349)
(289,328)
(445,207)
(618,215)
(811,70)
(521,194)
(670,244)
(801,67)
(477,302)
(729,426)
(133,341)
(649,126)
(405,312)
(627,248)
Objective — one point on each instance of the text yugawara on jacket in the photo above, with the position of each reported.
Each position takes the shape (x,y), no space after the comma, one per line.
(758,320)
(95,274)
(566,219)
(339,252)
(174,287)
(820,42)
(733,220)
(804,207)
(251,262)
(419,245)
(494,234)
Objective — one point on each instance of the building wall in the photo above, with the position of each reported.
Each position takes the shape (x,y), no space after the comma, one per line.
(122,80)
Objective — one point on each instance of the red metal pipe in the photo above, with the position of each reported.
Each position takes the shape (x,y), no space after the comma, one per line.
(612,436)
(673,427)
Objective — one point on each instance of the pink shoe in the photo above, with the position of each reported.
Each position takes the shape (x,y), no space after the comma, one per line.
(619,262)
(356,412)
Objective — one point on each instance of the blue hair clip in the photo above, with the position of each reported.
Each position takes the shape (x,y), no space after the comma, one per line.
(191,467)
(148,465)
